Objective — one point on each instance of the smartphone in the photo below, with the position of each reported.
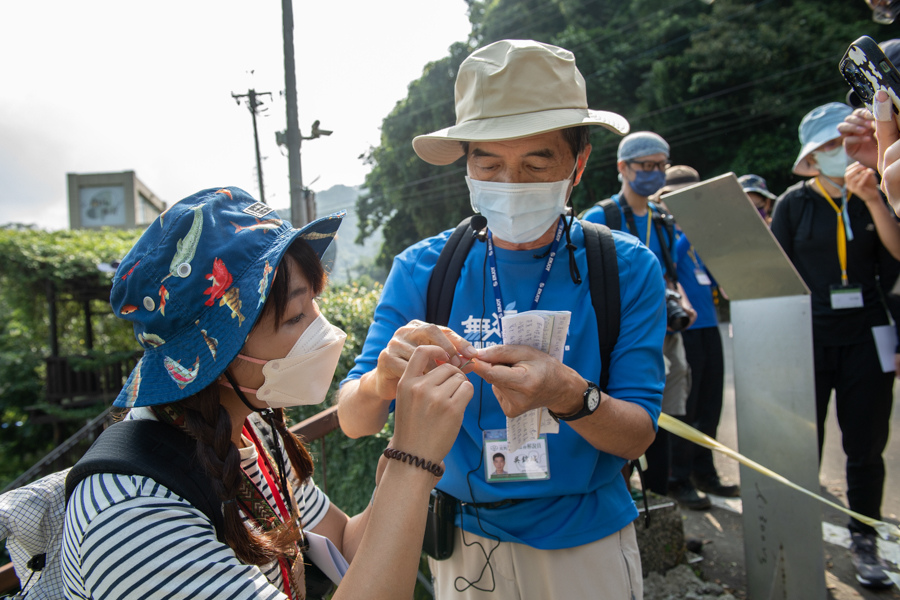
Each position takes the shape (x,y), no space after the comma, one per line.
(867,70)
(439,527)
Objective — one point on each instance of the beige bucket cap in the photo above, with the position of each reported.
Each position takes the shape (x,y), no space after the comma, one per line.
(512,89)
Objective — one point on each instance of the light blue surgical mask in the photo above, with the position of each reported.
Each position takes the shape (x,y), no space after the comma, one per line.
(832,163)
(647,183)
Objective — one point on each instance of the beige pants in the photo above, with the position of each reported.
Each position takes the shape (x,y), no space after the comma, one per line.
(608,569)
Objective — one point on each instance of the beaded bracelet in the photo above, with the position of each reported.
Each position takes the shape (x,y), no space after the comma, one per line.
(436,470)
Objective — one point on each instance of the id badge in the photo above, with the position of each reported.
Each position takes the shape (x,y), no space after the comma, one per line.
(849,296)
(701,277)
(529,463)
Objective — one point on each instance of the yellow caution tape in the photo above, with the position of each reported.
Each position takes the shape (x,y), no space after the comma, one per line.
(683,430)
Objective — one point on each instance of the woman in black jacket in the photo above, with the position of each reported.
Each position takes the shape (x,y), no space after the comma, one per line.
(829,236)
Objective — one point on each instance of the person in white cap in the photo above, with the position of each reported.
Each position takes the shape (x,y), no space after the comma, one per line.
(522,113)
(828,234)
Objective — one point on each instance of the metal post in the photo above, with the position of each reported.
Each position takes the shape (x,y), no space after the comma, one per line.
(259,171)
(776,420)
(299,214)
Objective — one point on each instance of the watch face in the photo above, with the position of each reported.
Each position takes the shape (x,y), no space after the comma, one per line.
(593,399)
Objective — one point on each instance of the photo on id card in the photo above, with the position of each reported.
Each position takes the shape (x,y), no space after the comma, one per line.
(528,463)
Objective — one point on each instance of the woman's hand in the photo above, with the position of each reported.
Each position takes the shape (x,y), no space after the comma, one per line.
(862,183)
(393,360)
(431,401)
(858,131)
(887,134)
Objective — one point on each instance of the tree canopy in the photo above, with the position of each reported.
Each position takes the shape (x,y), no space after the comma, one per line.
(725,83)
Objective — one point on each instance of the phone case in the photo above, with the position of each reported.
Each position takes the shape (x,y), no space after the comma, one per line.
(867,70)
(438,542)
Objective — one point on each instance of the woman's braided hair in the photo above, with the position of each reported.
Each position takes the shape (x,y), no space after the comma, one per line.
(210,424)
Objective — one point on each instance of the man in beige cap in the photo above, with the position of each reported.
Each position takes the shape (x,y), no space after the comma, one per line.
(559,524)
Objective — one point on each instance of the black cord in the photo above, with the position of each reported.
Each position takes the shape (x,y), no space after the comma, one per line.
(573,267)
(268,416)
(487,555)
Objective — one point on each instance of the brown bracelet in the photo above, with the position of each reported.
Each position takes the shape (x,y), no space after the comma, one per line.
(436,470)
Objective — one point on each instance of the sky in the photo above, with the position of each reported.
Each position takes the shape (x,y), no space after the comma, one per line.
(104,86)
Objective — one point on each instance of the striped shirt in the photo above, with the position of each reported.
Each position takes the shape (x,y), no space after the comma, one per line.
(129,537)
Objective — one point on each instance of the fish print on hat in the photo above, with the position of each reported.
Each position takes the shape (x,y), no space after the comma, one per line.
(187,247)
(180,374)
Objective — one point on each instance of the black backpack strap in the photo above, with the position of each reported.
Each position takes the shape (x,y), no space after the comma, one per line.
(611,213)
(155,450)
(663,220)
(446,272)
(603,275)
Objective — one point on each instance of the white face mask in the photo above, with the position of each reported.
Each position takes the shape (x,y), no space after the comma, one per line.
(519,212)
(304,375)
(832,163)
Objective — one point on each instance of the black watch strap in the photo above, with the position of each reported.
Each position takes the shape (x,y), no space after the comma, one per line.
(589,405)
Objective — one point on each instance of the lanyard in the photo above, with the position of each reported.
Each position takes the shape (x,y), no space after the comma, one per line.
(545,274)
(843,229)
(693,256)
(632,224)
(649,221)
(265,469)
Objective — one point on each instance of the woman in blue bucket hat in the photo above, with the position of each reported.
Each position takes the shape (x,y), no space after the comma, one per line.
(829,235)
(221,292)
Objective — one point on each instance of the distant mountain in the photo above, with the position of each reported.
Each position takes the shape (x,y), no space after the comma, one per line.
(353,260)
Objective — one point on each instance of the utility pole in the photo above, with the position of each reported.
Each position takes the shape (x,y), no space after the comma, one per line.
(299,215)
(253,104)
(301,208)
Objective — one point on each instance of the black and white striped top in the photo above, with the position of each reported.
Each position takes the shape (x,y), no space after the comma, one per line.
(129,537)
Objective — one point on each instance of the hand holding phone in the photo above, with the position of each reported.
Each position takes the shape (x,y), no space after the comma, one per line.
(867,70)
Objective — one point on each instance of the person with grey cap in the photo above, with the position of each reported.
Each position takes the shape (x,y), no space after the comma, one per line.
(756,189)
(828,234)
(221,293)
(643,158)
(522,118)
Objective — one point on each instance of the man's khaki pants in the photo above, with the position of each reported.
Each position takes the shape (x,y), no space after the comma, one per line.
(609,568)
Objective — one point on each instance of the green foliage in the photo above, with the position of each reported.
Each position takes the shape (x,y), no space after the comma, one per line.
(726,84)
(347,468)
(67,260)
(410,197)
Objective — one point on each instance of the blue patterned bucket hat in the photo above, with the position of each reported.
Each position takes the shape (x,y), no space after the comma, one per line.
(194,285)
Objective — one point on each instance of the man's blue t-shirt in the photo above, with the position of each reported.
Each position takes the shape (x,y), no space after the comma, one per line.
(700,296)
(596,215)
(585,498)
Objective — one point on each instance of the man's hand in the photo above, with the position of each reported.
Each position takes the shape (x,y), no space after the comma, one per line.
(394,358)
(524,378)
(858,131)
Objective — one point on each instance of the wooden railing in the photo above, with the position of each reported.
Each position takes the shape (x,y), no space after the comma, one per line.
(78,387)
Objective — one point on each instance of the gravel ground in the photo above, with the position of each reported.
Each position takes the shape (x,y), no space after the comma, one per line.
(681,583)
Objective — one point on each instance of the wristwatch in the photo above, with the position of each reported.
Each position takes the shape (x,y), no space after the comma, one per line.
(591,402)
